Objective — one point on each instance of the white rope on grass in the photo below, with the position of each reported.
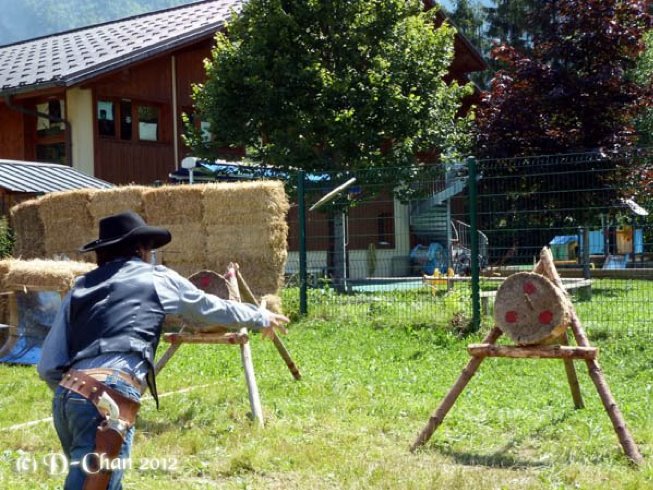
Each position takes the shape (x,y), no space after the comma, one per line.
(148,397)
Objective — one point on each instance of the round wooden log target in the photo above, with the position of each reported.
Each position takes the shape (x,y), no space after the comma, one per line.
(530,309)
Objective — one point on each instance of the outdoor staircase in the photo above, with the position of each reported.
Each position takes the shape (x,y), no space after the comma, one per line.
(428,220)
(430,224)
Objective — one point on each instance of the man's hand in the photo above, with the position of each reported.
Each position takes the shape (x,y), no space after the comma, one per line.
(276,322)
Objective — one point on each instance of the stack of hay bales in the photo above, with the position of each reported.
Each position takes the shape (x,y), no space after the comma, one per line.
(115,200)
(28,230)
(211,225)
(65,215)
(179,209)
(246,223)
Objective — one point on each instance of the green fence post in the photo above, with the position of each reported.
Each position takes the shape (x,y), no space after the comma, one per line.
(473,224)
(303,297)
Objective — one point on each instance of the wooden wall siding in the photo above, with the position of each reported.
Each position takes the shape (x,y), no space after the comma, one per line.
(10,199)
(124,162)
(190,70)
(364,223)
(317,230)
(12,141)
(363,226)
(150,80)
(140,163)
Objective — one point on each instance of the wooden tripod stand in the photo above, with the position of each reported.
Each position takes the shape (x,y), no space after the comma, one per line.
(230,286)
(583,351)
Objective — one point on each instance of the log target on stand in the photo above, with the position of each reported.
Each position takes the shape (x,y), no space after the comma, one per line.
(530,309)
(534,311)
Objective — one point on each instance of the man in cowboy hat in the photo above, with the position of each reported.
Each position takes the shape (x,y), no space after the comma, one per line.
(100,350)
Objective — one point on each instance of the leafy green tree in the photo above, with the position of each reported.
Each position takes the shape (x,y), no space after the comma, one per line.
(516,22)
(639,185)
(6,238)
(468,16)
(339,86)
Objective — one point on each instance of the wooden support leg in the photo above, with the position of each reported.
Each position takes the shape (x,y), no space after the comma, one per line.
(441,412)
(572,378)
(281,348)
(252,388)
(167,355)
(617,419)
(248,296)
(595,372)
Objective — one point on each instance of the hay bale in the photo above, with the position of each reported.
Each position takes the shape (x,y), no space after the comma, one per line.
(67,223)
(29,232)
(530,309)
(5,266)
(263,274)
(173,205)
(262,239)
(116,200)
(246,223)
(49,275)
(188,244)
(273,303)
(244,203)
(211,225)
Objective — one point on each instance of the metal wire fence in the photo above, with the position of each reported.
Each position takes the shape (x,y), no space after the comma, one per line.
(431,245)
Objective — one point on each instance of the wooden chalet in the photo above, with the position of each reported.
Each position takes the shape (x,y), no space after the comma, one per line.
(107,99)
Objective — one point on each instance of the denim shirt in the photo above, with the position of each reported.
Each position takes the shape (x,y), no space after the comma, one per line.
(178,296)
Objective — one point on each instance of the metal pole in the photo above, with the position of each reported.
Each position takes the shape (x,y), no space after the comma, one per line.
(473,224)
(340,255)
(303,297)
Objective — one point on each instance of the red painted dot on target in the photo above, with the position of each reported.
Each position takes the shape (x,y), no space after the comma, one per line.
(545,317)
(205,281)
(529,288)
(511,316)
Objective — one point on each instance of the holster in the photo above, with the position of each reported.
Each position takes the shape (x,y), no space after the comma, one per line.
(111,432)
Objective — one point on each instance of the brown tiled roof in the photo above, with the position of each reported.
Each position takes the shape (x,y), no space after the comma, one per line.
(72,57)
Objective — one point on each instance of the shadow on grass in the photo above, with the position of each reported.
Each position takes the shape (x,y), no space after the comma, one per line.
(502,458)
(498,459)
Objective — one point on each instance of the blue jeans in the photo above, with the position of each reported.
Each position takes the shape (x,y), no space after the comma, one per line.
(76,420)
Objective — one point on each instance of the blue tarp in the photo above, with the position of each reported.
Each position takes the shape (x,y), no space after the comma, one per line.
(616,262)
(564,240)
(431,258)
(227,171)
(36,312)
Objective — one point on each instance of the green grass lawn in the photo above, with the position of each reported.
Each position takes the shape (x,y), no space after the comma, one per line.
(370,382)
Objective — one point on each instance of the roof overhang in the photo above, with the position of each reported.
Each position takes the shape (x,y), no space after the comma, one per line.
(83,76)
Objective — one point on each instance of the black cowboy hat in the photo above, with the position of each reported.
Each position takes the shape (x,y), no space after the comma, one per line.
(118,228)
